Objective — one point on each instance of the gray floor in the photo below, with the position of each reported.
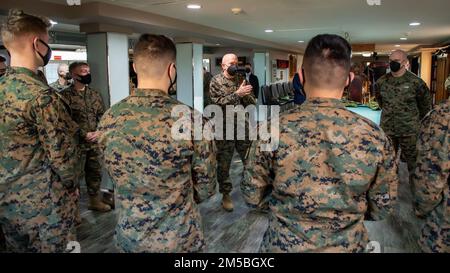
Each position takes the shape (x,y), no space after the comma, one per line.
(242,230)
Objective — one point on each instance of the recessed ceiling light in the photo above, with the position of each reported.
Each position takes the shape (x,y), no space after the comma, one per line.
(217,44)
(53,22)
(397,45)
(268,30)
(301,41)
(414,24)
(367,55)
(194,6)
(403,38)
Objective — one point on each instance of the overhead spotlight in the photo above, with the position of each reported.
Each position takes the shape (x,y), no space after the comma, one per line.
(236,11)
(415,24)
(301,42)
(194,6)
(268,30)
(53,22)
(397,45)
(403,38)
(367,54)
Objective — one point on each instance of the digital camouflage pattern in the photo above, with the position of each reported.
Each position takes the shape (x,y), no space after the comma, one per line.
(158,180)
(431,180)
(37,165)
(59,87)
(405,101)
(333,169)
(87,109)
(222,92)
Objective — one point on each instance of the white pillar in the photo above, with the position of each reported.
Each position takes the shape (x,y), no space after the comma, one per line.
(190,74)
(260,69)
(107,55)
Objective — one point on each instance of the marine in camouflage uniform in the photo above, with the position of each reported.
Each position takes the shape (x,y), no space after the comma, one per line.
(158,180)
(333,169)
(222,93)
(37,165)
(405,101)
(431,180)
(58,86)
(87,109)
(447,84)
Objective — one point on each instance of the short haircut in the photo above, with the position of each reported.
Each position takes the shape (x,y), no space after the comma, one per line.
(153,53)
(327,62)
(249,64)
(75,65)
(2,59)
(18,24)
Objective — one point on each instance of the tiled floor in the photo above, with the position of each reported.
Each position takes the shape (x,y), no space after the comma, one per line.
(242,230)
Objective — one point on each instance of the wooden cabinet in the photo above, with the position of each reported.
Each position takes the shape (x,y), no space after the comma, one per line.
(439,73)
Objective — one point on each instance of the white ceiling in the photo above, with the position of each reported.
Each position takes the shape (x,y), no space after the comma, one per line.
(294,20)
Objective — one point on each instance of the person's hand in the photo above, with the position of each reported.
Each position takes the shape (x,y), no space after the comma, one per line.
(244,90)
(93,136)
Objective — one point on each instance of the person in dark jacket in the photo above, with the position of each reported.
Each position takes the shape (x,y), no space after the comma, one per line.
(252,79)
(299,94)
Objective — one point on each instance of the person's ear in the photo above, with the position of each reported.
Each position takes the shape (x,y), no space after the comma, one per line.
(351,77)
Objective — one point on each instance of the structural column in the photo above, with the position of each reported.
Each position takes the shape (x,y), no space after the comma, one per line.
(107,55)
(190,73)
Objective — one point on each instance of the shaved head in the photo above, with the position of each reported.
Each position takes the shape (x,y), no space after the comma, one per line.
(230,59)
(227,61)
(326,62)
(63,68)
(153,54)
(399,56)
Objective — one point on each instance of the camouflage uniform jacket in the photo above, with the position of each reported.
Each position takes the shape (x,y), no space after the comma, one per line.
(447,84)
(404,101)
(431,180)
(59,87)
(158,180)
(222,91)
(332,170)
(87,108)
(38,150)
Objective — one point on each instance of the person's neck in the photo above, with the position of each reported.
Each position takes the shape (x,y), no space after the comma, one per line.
(399,73)
(24,61)
(324,94)
(79,86)
(62,81)
(153,85)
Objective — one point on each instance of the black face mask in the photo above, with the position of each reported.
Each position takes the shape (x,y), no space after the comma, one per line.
(47,56)
(172,83)
(395,66)
(68,77)
(86,79)
(247,70)
(232,70)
